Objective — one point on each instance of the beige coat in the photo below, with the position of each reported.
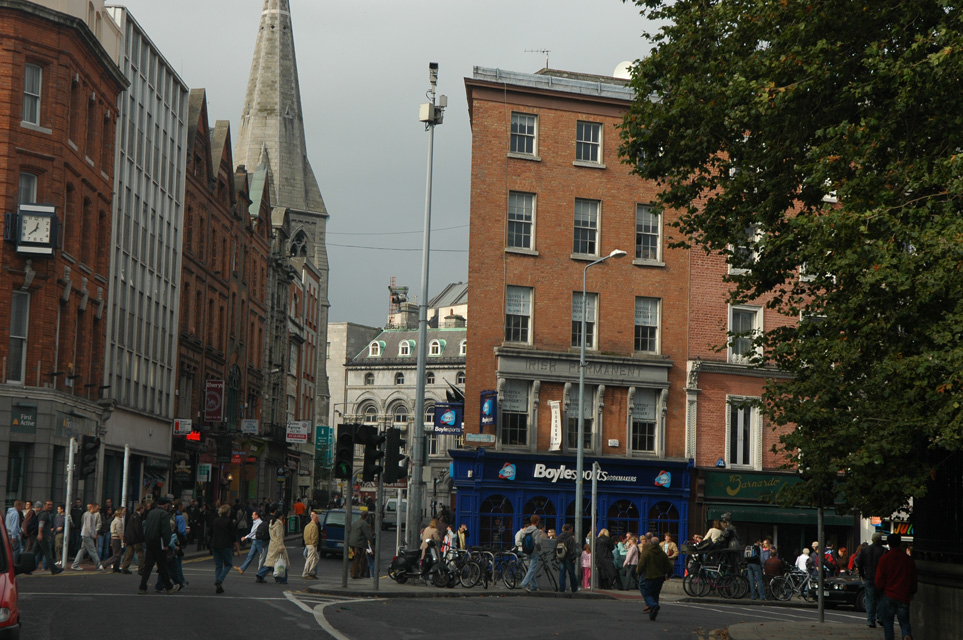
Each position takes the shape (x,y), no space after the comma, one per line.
(276,547)
(311,535)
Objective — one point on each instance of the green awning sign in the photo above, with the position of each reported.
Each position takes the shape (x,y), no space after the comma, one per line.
(757,487)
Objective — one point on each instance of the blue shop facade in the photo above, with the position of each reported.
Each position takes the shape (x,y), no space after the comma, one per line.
(498,491)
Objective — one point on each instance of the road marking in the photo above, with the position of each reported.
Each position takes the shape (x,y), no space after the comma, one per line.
(72,594)
(323,602)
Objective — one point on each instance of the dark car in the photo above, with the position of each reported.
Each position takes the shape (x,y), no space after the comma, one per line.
(331,524)
(845,590)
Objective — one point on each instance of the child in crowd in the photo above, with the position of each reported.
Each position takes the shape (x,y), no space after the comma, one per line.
(586,566)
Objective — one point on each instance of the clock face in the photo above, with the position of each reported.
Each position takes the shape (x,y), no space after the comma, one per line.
(35,228)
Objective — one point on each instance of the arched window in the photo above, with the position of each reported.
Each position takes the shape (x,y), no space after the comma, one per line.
(369,415)
(544,508)
(460,377)
(430,378)
(664,518)
(369,378)
(430,436)
(496,519)
(399,416)
(434,348)
(299,246)
(374,349)
(404,349)
(623,516)
(399,378)
(463,348)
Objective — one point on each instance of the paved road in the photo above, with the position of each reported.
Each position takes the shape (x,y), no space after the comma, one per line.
(58,607)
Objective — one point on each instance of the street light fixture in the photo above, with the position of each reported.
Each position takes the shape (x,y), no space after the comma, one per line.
(616,253)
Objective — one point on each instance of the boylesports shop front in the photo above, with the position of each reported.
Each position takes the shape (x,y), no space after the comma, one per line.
(497,492)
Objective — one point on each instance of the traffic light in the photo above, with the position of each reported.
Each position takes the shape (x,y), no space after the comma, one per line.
(395,462)
(344,452)
(372,457)
(89,448)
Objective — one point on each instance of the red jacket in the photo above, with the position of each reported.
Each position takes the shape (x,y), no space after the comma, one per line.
(896,575)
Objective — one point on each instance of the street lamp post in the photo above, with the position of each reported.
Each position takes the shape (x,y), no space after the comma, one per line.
(580,447)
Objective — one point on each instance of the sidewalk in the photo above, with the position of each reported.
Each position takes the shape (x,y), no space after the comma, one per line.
(801,631)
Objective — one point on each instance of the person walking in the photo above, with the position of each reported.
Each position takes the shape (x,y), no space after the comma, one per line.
(157,535)
(653,568)
(896,582)
(116,540)
(312,537)
(604,562)
(866,564)
(14,523)
(134,539)
(28,534)
(103,534)
(259,534)
(90,525)
(529,540)
(277,555)
(223,538)
(566,563)
(45,536)
(58,540)
(361,537)
(630,562)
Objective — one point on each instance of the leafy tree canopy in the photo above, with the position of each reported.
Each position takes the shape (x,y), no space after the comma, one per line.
(819,145)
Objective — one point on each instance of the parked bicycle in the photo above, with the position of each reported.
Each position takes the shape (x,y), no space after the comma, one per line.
(795,583)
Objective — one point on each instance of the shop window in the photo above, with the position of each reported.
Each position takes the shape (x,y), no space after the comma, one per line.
(623,517)
(514,406)
(19,454)
(544,508)
(664,518)
(496,520)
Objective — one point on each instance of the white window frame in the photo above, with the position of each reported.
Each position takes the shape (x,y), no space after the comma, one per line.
(521,212)
(404,348)
(753,236)
(586,226)
(460,377)
(374,349)
(430,377)
(735,356)
(592,421)
(19,306)
(524,294)
(585,145)
(635,394)
(32,101)
(643,215)
(591,319)
(434,348)
(503,409)
(463,348)
(27,188)
(397,411)
(657,325)
(755,432)
(530,122)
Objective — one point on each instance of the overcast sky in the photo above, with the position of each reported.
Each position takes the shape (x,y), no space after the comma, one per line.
(363,66)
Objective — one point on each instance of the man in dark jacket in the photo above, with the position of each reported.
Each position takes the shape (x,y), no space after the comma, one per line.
(653,566)
(866,564)
(157,536)
(360,538)
(566,565)
(134,539)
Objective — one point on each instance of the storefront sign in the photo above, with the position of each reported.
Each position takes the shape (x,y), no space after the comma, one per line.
(249,426)
(480,438)
(758,487)
(204,472)
(214,402)
(555,443)
(448,418)
(298,432)
(182,472)
(182,426)
(23,419)
(561,471)
(281,474)
(489,409)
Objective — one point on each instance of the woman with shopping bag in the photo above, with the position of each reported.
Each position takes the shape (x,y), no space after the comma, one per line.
(277,555)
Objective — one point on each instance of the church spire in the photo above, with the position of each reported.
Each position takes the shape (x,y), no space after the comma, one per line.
(272,124)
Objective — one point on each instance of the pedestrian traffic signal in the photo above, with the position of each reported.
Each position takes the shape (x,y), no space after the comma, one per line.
(393,457)
(344,452)
(89,448)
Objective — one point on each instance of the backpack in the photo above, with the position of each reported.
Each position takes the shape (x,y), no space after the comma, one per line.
(263,531)
(561,551)
(528,543)
(751,554)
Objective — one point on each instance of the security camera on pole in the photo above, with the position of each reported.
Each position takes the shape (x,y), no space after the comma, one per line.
(431,114)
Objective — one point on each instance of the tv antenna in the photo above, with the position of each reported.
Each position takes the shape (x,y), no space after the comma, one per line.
(545,51)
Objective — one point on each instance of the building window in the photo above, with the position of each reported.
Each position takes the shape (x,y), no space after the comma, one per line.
(588,411)
(521,220)
(32,82)
(430,378)
(399,378)
(523,133)
(647,233)
(370,414)
(514,408)
(586,227)
(28,189)
(745,323)
(590,319)
(518,314)
(374,349)
(369,379)
(404,349)
(434,348)
(647,325)
(642,430)
(399,416)
(743,434)
(588,141)
(19,321)
(463,348)
(745,252)
(430,436)
(460,377)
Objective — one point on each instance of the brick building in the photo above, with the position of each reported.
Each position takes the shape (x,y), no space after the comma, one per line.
(57,117)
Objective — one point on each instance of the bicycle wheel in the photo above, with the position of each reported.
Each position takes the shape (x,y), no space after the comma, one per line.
(550,571)
(736,587)
(470,574)
(699,585)
(512,573)
(691,584)
(781,588)
(440,578)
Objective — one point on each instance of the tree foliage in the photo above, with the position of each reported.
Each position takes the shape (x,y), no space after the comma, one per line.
(751,115)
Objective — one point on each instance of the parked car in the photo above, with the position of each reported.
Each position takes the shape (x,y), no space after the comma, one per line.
(845,590)
(332,531)
(9,605)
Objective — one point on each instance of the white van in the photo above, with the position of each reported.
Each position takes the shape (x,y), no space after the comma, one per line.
(391,515)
